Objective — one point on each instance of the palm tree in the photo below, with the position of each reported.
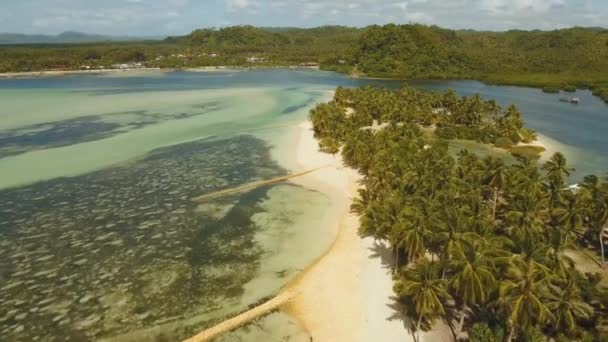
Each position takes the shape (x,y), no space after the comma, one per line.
(415,233)
(555,191)
(526,215)
(496,173)
(424,287)
(523,295)
(472,272)
(556,168)
(597,195)
(419,226)
(567,307)
(479,219)
(554,254)
(361,202)
(454,230)
(572,216)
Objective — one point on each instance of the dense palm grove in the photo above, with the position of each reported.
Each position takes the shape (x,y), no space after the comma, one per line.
(479,244)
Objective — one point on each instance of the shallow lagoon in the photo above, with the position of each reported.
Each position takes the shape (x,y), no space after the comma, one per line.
(99,236)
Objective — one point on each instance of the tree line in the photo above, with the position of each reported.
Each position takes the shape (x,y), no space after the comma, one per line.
(561,59)
(485,246)
(231,46)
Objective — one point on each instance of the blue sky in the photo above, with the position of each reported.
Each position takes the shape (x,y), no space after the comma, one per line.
(171,17)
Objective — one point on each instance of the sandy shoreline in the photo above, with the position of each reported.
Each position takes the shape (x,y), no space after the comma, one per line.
(327,296)
(61,73)
(347,294)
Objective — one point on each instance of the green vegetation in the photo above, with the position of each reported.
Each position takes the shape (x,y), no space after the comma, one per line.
(567,58)
(470,118)
(477,243)
(232,46)
(74,57)
(553,60)
(551,90)
(527,151)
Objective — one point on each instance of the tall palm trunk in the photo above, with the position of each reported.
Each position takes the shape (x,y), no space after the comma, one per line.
(418,328)
(396,266)
(495,202)
(602,244)
(511,333)
(463,313)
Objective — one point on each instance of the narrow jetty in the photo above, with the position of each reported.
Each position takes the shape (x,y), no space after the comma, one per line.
(244,318)
(252,185)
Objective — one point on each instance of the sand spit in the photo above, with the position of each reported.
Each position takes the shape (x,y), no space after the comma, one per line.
(251,186)
(244,318)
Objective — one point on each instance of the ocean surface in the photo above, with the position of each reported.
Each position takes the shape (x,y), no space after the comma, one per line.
(101,237)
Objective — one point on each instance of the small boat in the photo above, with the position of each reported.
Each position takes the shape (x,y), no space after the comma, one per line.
(574,100)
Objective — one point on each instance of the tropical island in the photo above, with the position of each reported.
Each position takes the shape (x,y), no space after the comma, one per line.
(484,246)
(556,60)
(198,205)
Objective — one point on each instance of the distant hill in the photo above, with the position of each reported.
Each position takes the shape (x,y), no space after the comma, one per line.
(63,38)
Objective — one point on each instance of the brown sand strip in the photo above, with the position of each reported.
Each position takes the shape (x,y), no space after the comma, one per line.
(242,319)
(252,185)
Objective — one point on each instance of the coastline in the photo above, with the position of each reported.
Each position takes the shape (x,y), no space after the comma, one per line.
(62,73)
(326,294)
(347,295)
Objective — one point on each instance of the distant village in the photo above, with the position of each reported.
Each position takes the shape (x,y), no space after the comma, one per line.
(253,59)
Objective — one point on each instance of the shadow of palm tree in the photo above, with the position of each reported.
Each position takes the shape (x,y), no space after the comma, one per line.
(382,251)
(398,314)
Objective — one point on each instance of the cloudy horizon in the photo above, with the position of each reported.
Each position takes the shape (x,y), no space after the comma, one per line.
(177,17)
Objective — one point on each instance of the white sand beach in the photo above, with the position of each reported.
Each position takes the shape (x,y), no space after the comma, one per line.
(347,295)
(61,73)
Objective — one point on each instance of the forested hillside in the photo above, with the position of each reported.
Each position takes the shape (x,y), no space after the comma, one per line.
(555,59)
(568,58)
(207,47)
(289,46)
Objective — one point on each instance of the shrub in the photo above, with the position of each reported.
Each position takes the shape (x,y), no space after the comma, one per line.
(528,135)
(530,152)
(481,333)
(503,142)
(551,90)
(446,132)
(533,335)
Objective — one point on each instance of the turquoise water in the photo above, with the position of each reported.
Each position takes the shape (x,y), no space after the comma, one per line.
(100,238)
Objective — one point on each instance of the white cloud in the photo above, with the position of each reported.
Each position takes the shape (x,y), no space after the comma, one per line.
(238,4)
(180,16)
(401,5)
(511,6)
